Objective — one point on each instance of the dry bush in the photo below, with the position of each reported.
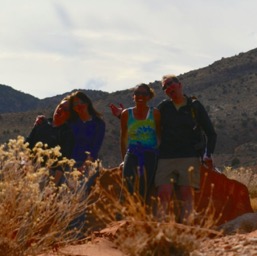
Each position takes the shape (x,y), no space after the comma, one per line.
(141,231)
(160,238)
(34,213)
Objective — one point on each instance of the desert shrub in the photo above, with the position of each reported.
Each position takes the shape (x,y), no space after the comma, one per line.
(142,231)
(34,213)
(153,238)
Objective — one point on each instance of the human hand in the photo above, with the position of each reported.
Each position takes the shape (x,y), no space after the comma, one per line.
(208,162)
(116,111)
(39,120)
(121,165)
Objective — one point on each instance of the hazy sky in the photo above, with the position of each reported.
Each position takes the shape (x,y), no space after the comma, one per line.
(49,47)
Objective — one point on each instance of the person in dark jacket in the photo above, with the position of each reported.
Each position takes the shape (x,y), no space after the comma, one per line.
(182,149)
(55,132)
(88,128)
(180,156)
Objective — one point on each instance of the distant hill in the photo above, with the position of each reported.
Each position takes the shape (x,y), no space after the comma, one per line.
(227,88)
(12,101)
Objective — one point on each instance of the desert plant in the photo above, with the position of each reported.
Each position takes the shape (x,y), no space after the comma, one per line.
(141,231)
(160,238)
(34,213)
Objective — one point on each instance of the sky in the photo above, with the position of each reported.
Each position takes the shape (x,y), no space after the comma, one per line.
(49,47)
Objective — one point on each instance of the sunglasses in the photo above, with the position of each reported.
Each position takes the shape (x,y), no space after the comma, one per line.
(141,93)
(168,84)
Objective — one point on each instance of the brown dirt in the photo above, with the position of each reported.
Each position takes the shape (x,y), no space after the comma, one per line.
(102,245)
(232,245)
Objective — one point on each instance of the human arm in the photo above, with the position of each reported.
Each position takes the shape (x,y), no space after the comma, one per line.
(37,133)
(208,128)
(157,119)
(98,140)
(66,140)
(30,138)
(211,135)
(39,120)
(116,111)
(206,125)
(124,132)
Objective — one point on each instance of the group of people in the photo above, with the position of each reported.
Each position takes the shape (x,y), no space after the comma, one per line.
(162,147)
(159,145)
(76,126)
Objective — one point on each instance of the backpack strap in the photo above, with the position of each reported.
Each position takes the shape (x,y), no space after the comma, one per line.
(197,128)
(193,109)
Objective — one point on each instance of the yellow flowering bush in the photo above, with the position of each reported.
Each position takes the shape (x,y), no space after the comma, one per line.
(34,213)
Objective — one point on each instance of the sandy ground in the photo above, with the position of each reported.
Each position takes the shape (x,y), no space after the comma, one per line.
(99,247)
(102,245)
(233,245)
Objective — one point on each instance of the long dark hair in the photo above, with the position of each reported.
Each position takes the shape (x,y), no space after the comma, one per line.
(82,96)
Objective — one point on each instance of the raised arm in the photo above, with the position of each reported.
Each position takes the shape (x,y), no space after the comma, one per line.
(157,119)
(116,111)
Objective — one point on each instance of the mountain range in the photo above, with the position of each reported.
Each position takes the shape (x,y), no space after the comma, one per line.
(227,88)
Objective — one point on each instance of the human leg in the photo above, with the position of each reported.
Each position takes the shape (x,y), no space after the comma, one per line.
(165,181)
(147,186)
(189,179)
(129,171)
(164,192)
(185,196)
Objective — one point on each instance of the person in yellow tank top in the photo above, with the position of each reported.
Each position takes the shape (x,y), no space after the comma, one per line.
(139,141)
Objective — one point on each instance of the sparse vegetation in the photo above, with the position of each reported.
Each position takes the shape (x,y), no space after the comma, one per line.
(34,213)
(35,218)
(143,231)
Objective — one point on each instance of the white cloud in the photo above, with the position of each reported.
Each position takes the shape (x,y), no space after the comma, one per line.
(49,47)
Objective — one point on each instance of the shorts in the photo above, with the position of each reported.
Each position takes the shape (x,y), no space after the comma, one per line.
(179,171)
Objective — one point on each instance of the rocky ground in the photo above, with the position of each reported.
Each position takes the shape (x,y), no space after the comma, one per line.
(102,245)
(231,245)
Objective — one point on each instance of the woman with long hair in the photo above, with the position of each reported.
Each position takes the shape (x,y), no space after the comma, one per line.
(88,128)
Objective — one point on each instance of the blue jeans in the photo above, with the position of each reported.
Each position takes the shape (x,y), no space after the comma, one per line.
(135,178)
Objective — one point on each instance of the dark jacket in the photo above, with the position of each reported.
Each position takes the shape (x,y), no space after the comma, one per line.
(88,137)
(52,136)
(178,129)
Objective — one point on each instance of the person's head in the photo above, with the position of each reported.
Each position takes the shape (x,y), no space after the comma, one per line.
(80,103)
(143,92)
(62,112)
(172,86)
